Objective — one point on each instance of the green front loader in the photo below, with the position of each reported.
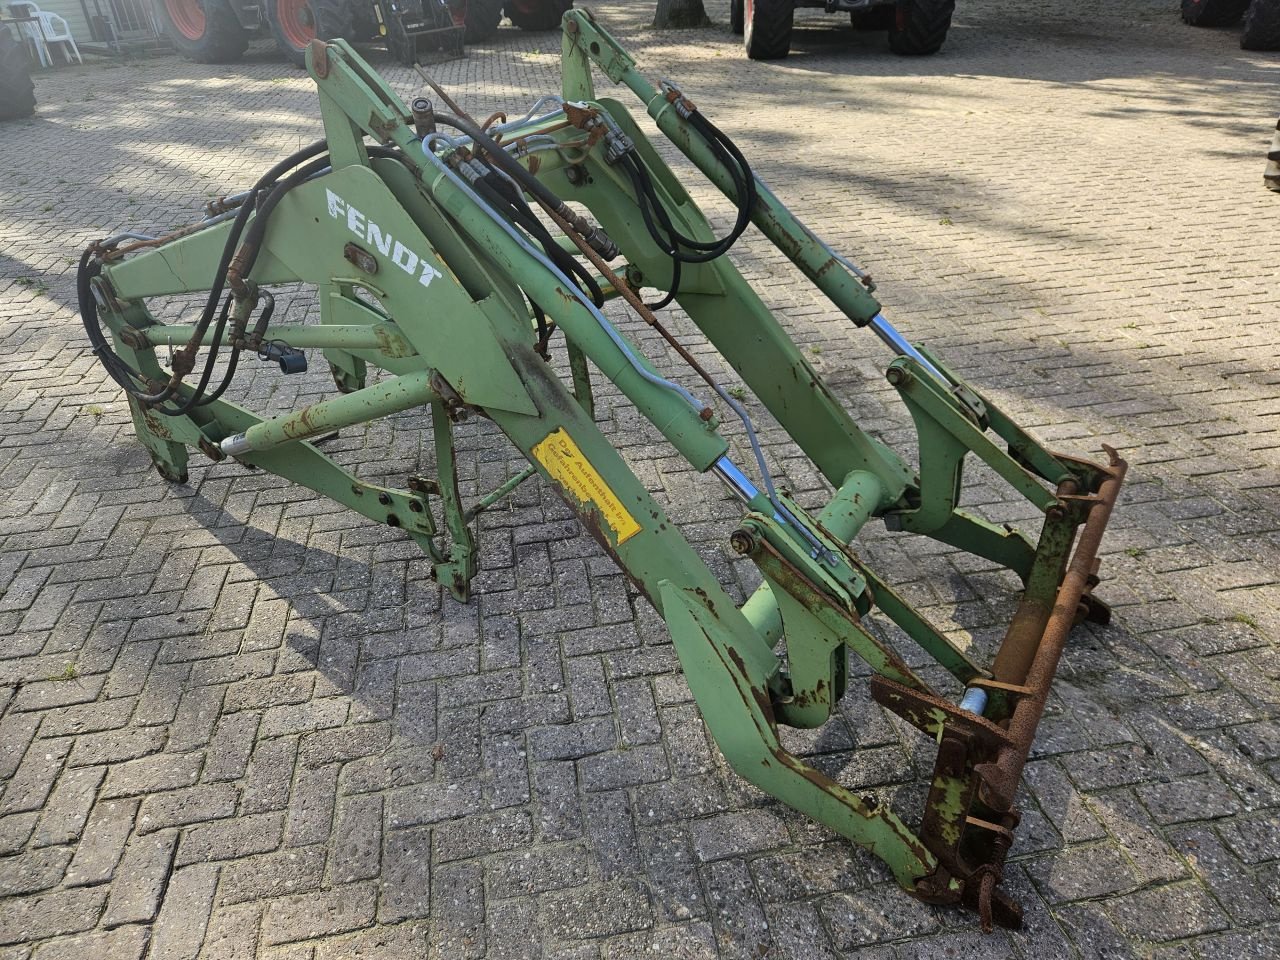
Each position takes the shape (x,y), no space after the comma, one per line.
(452,259)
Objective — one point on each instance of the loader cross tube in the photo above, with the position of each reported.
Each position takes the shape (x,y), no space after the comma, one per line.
(440,290)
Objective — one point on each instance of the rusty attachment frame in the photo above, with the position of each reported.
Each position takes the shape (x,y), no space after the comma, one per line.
(970,814)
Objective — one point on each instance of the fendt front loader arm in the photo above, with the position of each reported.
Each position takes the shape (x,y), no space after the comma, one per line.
(445,255)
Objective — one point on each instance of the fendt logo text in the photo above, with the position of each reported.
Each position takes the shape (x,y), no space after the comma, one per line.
(365,229)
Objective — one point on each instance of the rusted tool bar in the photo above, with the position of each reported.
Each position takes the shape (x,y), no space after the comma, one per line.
(970,817)
(1001,778)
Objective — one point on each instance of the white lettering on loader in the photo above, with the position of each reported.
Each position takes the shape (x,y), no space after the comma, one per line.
(370,232)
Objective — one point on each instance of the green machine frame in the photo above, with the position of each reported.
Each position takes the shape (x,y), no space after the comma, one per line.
(416,276)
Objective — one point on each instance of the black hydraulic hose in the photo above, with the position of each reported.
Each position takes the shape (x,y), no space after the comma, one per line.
(258,229)
(502,195)
(508,163)
(531,184)
(207,373)
(726,151)
(526,218)
(198,397)
(663,231)
(718,139)
(115,367)
(89,268)
(252,245)
(242,217)
(388,153)
(666,245)
(544,329)
(744,182)
(234,360)
(651,206)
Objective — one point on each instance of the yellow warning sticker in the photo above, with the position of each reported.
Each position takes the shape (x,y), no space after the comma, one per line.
(561,458)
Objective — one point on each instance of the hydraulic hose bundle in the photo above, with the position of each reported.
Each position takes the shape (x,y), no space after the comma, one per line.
(510,177)
(504,194)
(235,265)
(680,248)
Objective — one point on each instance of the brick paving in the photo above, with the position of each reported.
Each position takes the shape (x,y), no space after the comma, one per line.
(237,721)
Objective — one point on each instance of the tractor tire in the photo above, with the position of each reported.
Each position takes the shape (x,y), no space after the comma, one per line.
(480,17)
(766,28)
(877,18)
(1271,175)
(735,17)
(336,20)
(17,92)
(919,27)
(1262,26)
(205,31)
(536,15)
(1212,13)
(293,26)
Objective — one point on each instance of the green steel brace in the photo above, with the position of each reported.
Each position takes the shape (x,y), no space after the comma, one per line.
(419,278)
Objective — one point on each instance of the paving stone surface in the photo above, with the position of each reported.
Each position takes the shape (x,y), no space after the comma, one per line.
(239,721)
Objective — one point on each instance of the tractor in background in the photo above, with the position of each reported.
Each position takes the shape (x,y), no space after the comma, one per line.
(1271,176)
(481,17)
(914,27)
(1261,19)
(219,31)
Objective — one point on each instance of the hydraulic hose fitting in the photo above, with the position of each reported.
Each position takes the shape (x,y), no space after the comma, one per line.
(600,242)
(675,96)
(183,362)
(596,238)
(235,272)
(616,146)
(220,205)
(424,116)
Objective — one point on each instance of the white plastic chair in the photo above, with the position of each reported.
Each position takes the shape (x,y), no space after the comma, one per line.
(57,30)
(32,31)
(53,29)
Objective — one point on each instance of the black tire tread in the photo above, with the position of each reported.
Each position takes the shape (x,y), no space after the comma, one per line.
(924,26)
(224,40)
(481,20)
(545,16)
(735,16)
(17,92)
(1213,13)
(1261,26)
(1271,175)
(768,34)
(876,18)
(335,19)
